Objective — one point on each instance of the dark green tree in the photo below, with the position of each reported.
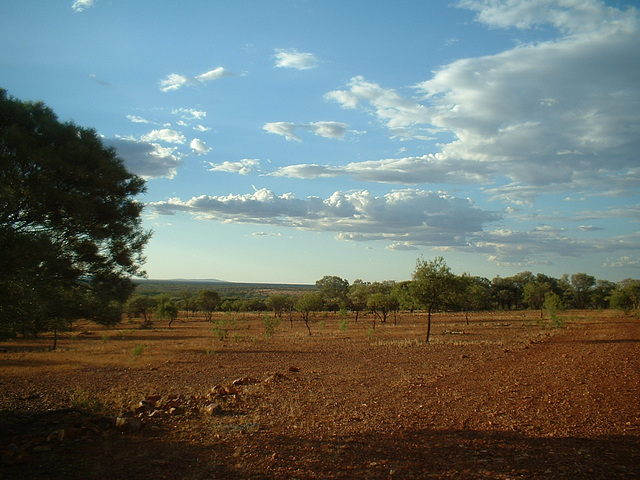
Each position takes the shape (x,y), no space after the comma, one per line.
(71,237)
(209,301)
(334,291)
(582,286)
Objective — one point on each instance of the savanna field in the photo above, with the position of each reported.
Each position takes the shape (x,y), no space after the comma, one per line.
(507,395)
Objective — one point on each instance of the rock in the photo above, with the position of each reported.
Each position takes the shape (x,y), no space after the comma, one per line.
(244,381)
(222,390)
(294,369)
(213,409)
(128,424)
(176,411)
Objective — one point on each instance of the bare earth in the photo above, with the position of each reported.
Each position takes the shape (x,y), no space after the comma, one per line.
(504,397)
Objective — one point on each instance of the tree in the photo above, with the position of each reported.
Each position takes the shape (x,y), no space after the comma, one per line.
(166,308)
(278,303)
(209,301)
(142,305)
(433,285)
(306,303)
(188,302)
(601,294)
(626,295)
(70,228)
(334,292)
(534,295)
(582,285)
(357,296)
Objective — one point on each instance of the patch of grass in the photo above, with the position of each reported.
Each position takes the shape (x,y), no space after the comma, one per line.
(343,325)
(370,332)
(270,323)
(137,350)
(85,402)
(105,338)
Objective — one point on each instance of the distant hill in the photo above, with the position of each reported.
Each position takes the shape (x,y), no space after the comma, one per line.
(226,289)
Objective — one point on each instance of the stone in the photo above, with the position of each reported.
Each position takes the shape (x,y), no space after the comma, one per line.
(213,409)
(244,381)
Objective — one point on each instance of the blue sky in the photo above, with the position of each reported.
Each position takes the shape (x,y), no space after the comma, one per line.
(286,140)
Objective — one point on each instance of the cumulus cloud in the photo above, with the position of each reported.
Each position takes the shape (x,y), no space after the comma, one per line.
(174,81)
(82,5)
(293,59)
(148,160)
(189,113)
(199,147)
(411,216)
(164,135)
(400,115)
(558,115)
(137,119)
(243,167)
(322,129)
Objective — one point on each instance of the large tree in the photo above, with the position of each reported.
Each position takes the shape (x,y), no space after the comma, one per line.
(71,237)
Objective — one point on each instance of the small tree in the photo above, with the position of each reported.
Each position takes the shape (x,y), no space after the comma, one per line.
(166,308)
(188,302)
(142,305)
(209,301)
(308,302)
(357,296)
(433,285)
(277,303)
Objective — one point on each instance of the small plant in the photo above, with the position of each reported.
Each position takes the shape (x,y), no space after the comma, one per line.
(370,332)
(137,350)
(270,323)
(84,402)
(321,326)
(343,325)
(220,329)
(211,351)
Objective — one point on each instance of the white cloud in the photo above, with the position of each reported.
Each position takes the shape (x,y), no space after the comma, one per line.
(322,129)
(407,170)
(199,147)
(81,5)
(400,115)
(189,113)
(164,135)
(415,216)
(293,59)
(243,167)
(174,81)
(137,119)
(285,129)
(149,160)
(553,116)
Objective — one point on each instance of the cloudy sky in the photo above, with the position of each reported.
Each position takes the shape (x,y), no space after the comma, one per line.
(286,140)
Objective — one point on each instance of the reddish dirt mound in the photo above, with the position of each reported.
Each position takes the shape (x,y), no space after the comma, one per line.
(506,396)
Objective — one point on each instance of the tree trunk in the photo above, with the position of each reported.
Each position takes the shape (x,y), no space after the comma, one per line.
(428,323)
(55,337)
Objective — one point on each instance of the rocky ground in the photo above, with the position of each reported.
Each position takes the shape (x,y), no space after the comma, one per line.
(507,396)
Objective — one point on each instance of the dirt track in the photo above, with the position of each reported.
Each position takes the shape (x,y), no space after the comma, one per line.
(504,397)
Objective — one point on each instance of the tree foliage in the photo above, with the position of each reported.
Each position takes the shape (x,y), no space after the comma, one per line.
(434,285)
(70,228)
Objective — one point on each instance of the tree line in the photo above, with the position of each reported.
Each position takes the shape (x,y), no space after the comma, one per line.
(433,287)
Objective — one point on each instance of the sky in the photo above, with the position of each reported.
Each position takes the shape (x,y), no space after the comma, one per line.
(286,140)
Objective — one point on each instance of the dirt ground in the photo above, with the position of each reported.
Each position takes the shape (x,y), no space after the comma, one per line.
(505,397)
